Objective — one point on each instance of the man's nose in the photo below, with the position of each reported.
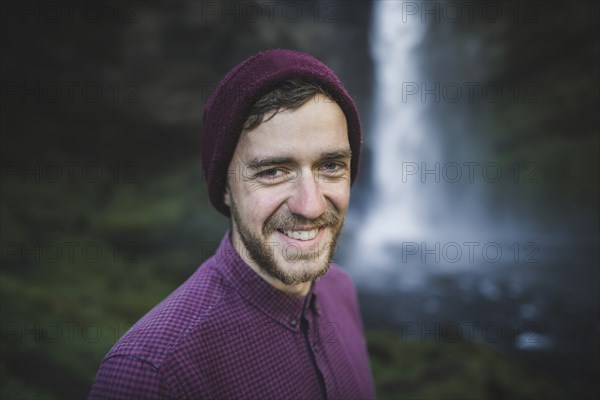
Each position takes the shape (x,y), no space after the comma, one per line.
(307,200)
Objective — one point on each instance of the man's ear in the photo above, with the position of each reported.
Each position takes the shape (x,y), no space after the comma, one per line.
(227,197)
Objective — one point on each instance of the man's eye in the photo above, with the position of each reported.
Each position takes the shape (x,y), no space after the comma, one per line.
(272,175)
(269,172)
(331,167)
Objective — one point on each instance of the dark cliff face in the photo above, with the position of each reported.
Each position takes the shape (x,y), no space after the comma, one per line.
(155,64)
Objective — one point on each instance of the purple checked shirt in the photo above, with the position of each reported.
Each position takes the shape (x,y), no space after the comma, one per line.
(227,333)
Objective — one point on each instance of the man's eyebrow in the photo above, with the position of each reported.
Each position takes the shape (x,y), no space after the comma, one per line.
(257,163)
(333,155)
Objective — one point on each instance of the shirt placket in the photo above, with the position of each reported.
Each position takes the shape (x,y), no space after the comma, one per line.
(316,345)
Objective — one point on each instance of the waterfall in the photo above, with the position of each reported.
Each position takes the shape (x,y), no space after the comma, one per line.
(417,224)
(403,207)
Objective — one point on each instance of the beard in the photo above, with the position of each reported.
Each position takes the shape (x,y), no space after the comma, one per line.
(311,264)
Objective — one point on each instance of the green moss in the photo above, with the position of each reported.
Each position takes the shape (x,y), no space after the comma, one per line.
(410,370)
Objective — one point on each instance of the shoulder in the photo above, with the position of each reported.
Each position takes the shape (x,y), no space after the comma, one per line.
(125,377)
(143,363)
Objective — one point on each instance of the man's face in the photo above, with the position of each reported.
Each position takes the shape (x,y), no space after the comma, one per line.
(288,191)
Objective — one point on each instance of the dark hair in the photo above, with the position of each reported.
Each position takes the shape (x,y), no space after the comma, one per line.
(289,95)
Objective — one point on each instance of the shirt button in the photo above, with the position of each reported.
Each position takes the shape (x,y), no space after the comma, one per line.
(293,322)
(316,348)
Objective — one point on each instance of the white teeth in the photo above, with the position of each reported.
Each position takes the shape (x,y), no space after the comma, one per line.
(302,235)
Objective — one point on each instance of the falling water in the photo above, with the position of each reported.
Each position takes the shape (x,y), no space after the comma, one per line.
(409,139)
(404,208)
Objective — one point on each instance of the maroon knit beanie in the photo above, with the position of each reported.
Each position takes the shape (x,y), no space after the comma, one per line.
(229,105)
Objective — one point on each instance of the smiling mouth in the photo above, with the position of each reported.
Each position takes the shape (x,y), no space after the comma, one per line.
(300,235)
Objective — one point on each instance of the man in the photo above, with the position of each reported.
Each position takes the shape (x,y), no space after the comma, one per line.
(267,316)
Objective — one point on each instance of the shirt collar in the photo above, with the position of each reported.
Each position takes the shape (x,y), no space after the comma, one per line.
(283,308)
